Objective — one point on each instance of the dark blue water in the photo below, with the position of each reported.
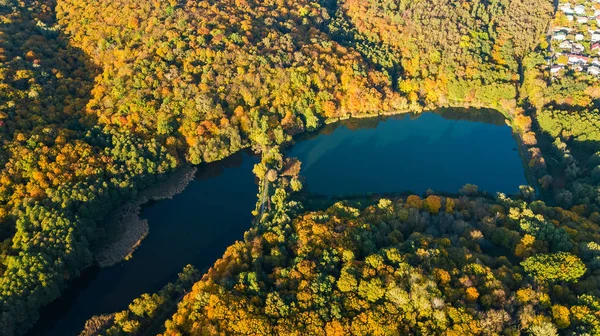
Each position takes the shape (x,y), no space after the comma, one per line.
(437,151)
(406,154)
(195,227)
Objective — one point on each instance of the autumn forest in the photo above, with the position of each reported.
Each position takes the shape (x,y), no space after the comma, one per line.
(102,100)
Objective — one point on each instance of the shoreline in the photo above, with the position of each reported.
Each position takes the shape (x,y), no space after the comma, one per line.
(130,229)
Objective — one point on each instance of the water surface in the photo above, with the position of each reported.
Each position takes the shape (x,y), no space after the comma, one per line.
(412,153)
(195,227)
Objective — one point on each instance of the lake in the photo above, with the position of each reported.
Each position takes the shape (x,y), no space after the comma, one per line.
(195,227)
(412,153)
(442,151)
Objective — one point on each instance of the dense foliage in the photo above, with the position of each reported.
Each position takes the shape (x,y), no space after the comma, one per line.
(461,266)
(61,171)
(90,118)
(210,77)
(444,52)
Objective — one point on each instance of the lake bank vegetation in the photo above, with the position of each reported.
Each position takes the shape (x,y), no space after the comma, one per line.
(143,312)
(464,265)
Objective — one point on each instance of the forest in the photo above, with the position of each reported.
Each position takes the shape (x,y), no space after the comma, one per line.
(99,99)
(412,265)
(446,52)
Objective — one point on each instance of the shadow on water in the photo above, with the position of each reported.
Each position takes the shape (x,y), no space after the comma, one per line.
(487,116)
(195,227)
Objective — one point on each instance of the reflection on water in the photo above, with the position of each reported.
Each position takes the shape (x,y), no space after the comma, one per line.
(442,151)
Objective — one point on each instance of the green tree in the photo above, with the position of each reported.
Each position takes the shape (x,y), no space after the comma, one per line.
(560,266)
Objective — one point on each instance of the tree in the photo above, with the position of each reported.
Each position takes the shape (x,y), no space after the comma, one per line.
(562,266)
(469,189)
(433,204)
(347,282)
(472,294)
(561,314)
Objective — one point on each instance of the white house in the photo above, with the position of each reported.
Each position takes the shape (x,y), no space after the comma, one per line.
(565,45)
(578,59)
(578,48)
(561,36)
(579,37)
(579,9)
(559,28)
(566,8)
(582,19)
(593,70)
(595,37)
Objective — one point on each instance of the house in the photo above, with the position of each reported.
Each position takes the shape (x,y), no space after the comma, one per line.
(596,62)
(561,36)
(565,5)
(566,8)
(565,45)
(582,19)
(564,29)
(559,28)
(593,70)
(595,37)
(556,69)
(578,59)
(579,9)
(595,47)
(578,48)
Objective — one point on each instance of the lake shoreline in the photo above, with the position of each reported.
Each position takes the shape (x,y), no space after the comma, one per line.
(127,229)
(132,229)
